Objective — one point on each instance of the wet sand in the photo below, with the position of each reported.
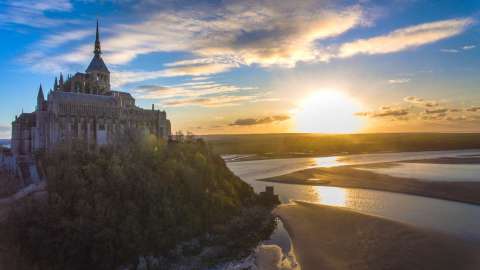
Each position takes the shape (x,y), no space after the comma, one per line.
(350,177)
(326,237)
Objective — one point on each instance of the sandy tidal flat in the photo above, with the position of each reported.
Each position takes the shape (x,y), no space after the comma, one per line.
(326,237)
(355,177)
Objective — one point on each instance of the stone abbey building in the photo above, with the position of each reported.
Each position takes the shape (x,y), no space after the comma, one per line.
(84,107)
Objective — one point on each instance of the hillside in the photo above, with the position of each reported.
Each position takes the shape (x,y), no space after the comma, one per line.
(108,208)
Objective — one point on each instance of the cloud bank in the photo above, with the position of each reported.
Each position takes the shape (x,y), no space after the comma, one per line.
(259,121)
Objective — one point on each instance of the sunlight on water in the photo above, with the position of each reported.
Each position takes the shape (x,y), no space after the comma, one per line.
(325,162)
(332,196)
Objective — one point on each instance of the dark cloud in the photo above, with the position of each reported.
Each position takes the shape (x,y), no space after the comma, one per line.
(385,111)
(473,109)
(436,111)
(456,118)
(421,101)
(438,116)
(259,121)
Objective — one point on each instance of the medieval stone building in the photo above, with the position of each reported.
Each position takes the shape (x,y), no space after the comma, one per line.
(84,107)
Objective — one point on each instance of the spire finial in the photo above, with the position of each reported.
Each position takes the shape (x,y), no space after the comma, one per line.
(97,50)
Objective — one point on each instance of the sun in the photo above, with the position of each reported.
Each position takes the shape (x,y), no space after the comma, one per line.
(328,111)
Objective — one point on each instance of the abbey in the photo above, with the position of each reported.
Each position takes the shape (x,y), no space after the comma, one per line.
(84,107)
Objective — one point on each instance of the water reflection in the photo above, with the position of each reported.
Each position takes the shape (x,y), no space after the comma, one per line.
(326,162)
(451,217)
(433,172)
(332,196)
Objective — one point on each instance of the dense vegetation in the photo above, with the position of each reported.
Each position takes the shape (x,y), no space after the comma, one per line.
(105,208)
(321,144)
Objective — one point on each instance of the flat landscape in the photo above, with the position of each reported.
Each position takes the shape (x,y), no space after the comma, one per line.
(267,146)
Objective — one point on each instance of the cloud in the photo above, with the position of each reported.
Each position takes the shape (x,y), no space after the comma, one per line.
(57,40)
(232,34)
(463,48)
(5,132)
(226,36)
(119,78)
(198,69)
(436,111)
(385,111)
(421,101)
(473,109)
(199,93)
(434,117)
(399,81)
(456,118)
(209,102)
(406,38)
(186,90)
(259,121)
(450,50)
(32,13)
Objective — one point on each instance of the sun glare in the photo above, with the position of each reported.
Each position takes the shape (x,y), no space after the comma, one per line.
(328,112)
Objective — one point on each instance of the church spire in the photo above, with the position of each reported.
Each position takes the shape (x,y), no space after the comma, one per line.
(40,99)
(40,95)
(97,50)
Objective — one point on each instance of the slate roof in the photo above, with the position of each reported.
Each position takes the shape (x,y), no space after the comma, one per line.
(97,64)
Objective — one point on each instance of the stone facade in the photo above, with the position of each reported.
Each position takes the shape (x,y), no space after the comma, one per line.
(84,107)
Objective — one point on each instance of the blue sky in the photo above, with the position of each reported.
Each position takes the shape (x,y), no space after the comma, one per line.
(248,66)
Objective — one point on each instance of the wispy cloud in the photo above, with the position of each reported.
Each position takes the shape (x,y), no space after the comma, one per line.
(32,13)
(229,35)
(57,40)
(399,81)
(406,38)
(216,101)
(200,93)
(238,33)
(5,132)
(469,47)
(450,50)
(463,48)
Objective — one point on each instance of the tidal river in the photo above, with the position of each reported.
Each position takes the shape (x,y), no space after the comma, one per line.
(455,218)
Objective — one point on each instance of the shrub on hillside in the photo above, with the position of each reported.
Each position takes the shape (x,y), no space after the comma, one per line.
(104,208)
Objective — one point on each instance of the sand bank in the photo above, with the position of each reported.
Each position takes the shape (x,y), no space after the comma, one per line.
(327,237)
(350,177)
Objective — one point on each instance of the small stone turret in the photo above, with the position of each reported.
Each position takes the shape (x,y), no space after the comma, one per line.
(40,99)
(55,85)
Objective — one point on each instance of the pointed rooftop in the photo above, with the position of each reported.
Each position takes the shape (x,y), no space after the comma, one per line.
(40,95)
(97,64)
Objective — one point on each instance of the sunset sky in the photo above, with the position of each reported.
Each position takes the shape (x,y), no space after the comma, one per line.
(258,66)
